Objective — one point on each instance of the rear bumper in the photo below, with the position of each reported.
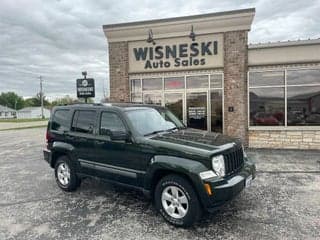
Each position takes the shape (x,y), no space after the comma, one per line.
(223,190)
(47,155)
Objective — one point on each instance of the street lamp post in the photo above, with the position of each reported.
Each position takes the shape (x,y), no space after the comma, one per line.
(41,96)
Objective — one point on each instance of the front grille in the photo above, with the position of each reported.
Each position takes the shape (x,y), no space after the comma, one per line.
(233,160)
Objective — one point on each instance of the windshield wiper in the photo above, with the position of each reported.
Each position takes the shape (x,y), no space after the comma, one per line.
(171,129)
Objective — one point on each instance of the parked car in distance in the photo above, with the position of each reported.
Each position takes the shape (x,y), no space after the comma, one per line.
(184,171)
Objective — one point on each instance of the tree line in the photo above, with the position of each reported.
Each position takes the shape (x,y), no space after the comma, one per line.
(14,101)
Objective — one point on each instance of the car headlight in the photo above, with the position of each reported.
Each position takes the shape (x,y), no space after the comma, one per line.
(218,165)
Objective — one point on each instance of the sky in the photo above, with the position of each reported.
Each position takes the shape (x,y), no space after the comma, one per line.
(58,39)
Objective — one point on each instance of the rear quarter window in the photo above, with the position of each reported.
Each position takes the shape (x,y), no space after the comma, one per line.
(60,120)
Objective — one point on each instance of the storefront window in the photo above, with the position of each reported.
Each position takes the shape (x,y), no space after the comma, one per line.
(136,98)
(135,85)
(216,111)
(267,106)
(303,77)
(268,78)
(152,84)
(173,83)
(173,101)
(154,98)
(216,81)
(303,105)
(201,81)
(303,98)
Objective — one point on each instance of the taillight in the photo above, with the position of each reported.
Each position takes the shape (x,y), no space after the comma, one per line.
(48,136)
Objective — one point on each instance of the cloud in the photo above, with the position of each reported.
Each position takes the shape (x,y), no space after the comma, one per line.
(60,39)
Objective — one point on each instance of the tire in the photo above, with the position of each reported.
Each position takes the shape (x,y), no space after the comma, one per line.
(183,211)
(65,174)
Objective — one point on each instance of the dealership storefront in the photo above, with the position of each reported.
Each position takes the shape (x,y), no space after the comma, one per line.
(202,68)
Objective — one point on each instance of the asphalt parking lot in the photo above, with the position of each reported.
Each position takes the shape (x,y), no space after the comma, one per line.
(283,202)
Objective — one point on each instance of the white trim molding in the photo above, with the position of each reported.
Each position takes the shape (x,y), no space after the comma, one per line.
(176,27)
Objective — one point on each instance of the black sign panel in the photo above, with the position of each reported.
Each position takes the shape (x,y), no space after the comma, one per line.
(85,88)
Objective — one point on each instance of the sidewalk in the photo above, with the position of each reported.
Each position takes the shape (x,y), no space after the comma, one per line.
(13,125)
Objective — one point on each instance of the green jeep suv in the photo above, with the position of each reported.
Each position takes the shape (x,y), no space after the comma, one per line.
(184,171)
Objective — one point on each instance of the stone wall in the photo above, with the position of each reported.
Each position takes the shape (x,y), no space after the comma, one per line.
(235,84)
(287,139)
(119,78)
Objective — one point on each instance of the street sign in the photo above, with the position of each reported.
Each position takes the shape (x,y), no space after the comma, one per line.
(85,88)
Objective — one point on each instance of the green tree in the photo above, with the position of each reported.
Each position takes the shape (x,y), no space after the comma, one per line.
(11,100)
(36,101)
(66,100)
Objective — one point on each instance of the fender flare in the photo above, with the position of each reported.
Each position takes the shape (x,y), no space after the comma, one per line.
(183,166)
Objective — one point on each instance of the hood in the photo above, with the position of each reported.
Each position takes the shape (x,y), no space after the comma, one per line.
(194,142)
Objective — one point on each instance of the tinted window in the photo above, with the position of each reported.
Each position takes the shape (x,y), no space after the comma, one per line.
(60,120)
(83,121)
(110,122)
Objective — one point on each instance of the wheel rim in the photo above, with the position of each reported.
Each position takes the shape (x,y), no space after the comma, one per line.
(63,174)
(174,202)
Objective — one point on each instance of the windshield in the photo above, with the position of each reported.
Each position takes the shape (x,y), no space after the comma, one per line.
(150,121)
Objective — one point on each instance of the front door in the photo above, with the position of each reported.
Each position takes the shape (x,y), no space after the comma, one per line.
(121,161)
(197,114)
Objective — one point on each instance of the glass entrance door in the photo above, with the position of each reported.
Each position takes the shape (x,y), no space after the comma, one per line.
(174,102)
(197,110)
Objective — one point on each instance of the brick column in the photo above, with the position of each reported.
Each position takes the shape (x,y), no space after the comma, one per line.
(235,84)
(118,72)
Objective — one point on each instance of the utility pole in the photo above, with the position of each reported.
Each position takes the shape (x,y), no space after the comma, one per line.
(41,97)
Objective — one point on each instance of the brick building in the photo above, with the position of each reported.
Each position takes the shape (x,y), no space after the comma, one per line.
(203,69)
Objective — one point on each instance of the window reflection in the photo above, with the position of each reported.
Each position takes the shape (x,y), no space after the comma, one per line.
(136,98)
(303,105)
(135,85)
(201,81)
(174,83)
(305,76)
(267,78)
(216,81)
(153,98)
(152,84)
(173,101)
(267,106)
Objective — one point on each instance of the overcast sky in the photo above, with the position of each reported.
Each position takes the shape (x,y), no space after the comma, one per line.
(60,38)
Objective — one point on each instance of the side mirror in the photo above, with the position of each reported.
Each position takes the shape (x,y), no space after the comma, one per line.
(119,136)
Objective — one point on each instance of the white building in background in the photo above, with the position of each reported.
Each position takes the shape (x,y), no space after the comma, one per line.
(32,112)
(6,112)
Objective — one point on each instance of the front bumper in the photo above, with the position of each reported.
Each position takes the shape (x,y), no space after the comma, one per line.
(225,189)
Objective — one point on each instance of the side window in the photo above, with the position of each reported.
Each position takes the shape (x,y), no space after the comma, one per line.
(83,121)
(60,120)
(110,122)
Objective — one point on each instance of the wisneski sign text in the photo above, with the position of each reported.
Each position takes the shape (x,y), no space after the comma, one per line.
(176,53)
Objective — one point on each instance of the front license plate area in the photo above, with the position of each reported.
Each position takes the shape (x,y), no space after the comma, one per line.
(248,181)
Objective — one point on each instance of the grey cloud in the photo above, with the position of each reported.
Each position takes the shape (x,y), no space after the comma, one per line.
(59,39)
